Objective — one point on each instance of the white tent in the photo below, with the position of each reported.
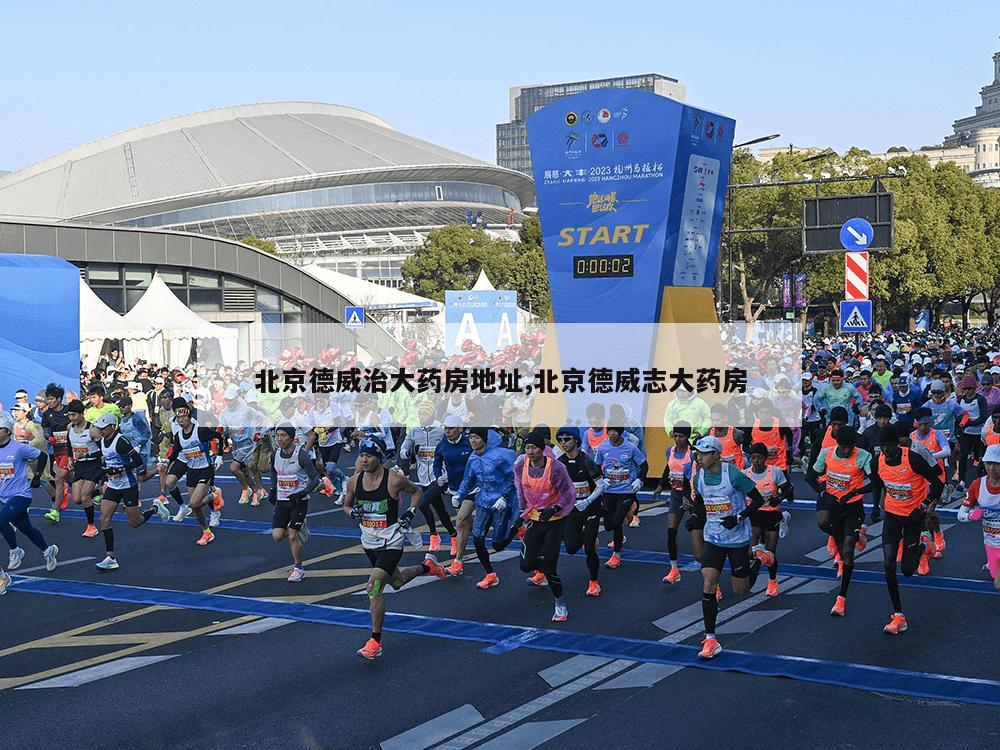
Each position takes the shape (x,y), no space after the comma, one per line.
(159,307)
(98,323)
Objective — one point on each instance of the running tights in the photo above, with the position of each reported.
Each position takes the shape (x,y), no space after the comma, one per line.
(540,551)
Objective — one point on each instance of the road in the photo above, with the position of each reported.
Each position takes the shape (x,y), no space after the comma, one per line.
(187,647)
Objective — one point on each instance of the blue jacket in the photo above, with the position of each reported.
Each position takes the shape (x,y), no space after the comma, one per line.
(492,472)
(452,457)
(135,429)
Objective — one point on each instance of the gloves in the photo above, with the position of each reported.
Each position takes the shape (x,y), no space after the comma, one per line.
(582,504)
(963,513)
(500,505)
(442,480)
(297,497)
(217,462)
(406,518)
(357,512)
(546,515)
(730,522)
(456,501)
(636,485)
(976,514)
(36,483)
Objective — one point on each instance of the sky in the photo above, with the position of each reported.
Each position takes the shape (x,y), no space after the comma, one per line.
(832,74)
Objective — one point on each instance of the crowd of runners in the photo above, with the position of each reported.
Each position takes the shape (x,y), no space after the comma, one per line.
(908,421)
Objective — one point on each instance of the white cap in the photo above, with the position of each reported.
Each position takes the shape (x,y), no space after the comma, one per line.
(134,385)
(995,370)
(807,375)
(708,444)
(897,363)
(451,420)
(107,419)
(232,392)
(6,421)
(937,385)
(158,380)
(992,454)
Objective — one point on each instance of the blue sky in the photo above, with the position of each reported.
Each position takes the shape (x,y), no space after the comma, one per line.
(874,74)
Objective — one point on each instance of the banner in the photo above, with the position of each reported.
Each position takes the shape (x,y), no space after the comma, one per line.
(487,318)
(801,303)
(786,291)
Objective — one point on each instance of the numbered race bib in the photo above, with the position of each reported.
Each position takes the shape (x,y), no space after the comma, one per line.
(899,490)
(80,453)
(718,509)
(61,437)
(582,488)
(192,454)
(6,470)
(837,481)
(677,480)
(425,454)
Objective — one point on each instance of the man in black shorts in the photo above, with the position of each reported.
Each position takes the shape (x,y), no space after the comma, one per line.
(581,527)
(293,477)
(372,499)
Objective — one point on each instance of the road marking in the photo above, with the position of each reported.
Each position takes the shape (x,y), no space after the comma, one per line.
(92,674)
(530,735)
(256,626)
(62,563)
(570,669)
(752,621)
(439,728)
(324,512)
(818,586)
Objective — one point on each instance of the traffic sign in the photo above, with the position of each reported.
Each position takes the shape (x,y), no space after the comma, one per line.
(823,220)
(855,276)
(354,317)
(856,234)
(856,316)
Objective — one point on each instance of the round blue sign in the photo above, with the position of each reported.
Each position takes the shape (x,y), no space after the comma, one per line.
(856,234)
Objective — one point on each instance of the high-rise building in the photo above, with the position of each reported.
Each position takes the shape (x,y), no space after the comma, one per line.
(512,138)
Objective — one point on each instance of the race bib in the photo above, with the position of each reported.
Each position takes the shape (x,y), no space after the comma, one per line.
(192,454)
(904,407)
(898,490)
(677,480)
(618,476)
(582,488)
(61,437)
(425,454)
(772,451)
(718,507)
(80,453)
(837,481)
(6,470)
(288,485)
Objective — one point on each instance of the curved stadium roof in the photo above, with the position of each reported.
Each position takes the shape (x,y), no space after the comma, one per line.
(234,152)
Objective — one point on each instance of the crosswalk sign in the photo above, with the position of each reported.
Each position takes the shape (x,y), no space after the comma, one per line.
(354,317)
(856,316)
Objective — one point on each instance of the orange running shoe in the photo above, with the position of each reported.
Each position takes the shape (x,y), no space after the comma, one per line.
(327,488)
(673,576)
(218,503)
(896,625)
(718,593)
(207,537)
(593,589)
(371,649)
(766,557)
(456,568)
(434,568)
(454,546)
(520,532)
(939,544)
(614,561)
(831,546)
(91,531)
(489,581)
(244,497)
(435,544)
(924,566)
(839,607)
(538,579)
(710,648)
(772,587)
(862,542)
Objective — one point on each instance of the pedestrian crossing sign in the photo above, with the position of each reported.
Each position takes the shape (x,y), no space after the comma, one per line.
(856,316)
(354,317)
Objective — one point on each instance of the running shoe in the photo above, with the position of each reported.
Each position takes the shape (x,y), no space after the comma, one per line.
(489,581)
(454,546)
(939,545)
(339,500)
(326,487)
(4,582)
(218,501)
(371,649)
(896,625)
(108,563)
(207,537)
(561,614)
(434,568)
(593,589)
(862,542)
(710,648)
(456,568)
(262,494)
(52,515)
(718,593)
(91,531)
(673,576)
(304,532)
(765,556)
(255,498)
(435,543)
(161,510)
(214,518)
(960,492)
(831,546)
(634,523)
(786,522)
(16,555)
(50,557)
(924,566)
(520,532)
(839,607)
(538,579)
(614,561)
(772,587)
(184,512)
(414,539)
(244,497)
(296,575)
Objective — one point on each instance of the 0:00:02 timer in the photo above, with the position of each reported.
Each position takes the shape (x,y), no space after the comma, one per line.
(602,266)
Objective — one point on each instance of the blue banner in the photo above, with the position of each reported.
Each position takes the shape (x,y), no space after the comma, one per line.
(484,317)
(630,188)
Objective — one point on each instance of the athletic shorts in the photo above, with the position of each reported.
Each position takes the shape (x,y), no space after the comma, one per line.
(89,471)
(62,461)
(289,514)
(200,476)
(129,496)
(676,502)
(715,557)
(330,453)
(385,559)
(765,520)
(846,519)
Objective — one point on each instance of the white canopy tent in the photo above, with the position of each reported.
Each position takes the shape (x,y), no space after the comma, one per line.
(179,325)
(98,323)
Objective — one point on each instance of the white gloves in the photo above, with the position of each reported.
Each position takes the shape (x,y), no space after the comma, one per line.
(456,501)
(963,513)
(582,503)
(500,505)
(636,485)
(442,480)
(218,462)
(599,486)
(403,453)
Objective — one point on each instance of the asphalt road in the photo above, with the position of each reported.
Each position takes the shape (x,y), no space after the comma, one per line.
(95,660)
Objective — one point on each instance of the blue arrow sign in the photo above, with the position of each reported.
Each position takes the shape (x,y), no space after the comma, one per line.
(856,234)
(354,317)
(856,316)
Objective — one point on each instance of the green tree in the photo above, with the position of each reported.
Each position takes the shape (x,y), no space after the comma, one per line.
(265,246)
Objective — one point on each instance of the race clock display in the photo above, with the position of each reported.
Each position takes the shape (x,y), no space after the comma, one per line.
(603,266)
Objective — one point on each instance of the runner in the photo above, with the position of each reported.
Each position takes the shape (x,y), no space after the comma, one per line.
(293,477)
(581,527)
(983,504)
(940,449)
(330,442)
(85,463)
(191,458)
(15,497)
(120,463)
(240,423)
(490,468)
(451,456)
(546,496)
(421,444)
(597,432)
(29,432)
(166,428)
(840,510)
(677,476)
(134,427)
(55,426)
(774,486)
(911,487)
(625,467)
(969,444)
(372,499)
(721,492)
(731,438)
(96,394)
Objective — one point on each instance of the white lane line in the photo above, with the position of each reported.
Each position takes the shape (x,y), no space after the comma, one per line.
(92,674)
(752,621)
(530,735)
(257,626)
(439,728)
(62,563)
(324,512)
(570,669)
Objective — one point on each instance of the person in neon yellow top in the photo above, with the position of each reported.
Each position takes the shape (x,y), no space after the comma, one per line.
(96,394)
(688,407)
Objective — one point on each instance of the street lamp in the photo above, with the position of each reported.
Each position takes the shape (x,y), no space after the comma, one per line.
(752,141)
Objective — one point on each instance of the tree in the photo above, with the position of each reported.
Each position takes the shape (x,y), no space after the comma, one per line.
(265,246)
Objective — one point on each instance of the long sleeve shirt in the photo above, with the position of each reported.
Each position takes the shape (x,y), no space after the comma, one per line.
(492,471)
(560,491)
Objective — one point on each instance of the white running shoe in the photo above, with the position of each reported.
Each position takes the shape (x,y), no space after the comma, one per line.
(339,500)
(161,510)
(4,582)
(183,513)
(214,518)
(50,557)
(296,575)
(16,555)
(561,614)
(304,532)
(108,563)
(786,521)
(414,539)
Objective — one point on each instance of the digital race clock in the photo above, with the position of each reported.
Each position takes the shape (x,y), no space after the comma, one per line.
(603,266)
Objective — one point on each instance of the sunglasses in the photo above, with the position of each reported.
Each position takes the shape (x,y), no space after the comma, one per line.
(564,438)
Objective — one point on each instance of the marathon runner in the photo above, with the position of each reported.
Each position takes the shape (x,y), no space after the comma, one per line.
(774,486)
(293,477)
(625,468)
(240,423)
(581,527)
(330,441)
(677,477)
(372,499)
(29,432)
(451,456)
(191,452)
(983,504)
(421,444)
(134,427)
(940,449)
(55,427)
(969,444)
(85,463)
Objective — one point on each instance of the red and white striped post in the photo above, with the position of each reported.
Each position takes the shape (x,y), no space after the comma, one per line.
(855,276)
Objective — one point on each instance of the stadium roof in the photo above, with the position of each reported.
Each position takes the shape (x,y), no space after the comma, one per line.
(233,152)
